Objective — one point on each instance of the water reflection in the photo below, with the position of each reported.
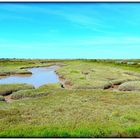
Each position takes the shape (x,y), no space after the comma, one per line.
(40,76)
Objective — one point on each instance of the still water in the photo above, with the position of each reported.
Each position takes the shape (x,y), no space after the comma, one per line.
(40,76)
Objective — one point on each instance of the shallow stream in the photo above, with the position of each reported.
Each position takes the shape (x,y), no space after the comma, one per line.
(40,76)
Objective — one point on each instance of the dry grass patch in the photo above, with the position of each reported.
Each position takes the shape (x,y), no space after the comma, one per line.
(130,86)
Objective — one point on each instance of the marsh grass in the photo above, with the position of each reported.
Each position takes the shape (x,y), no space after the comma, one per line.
(130,86)
(85,75)
(80,111)
(73,113)
(6,89)
(41,91)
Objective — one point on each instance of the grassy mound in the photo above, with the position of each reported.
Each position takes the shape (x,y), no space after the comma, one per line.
(41,91)
(130,86)
(96,85)
(6,89)
(122,80)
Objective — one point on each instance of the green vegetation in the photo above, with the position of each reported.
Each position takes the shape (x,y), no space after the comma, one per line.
(87,106)
(6,89)
(94,75)
(2,98)
(41,91)
(73,113)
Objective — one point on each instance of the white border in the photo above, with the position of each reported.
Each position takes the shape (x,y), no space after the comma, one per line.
(69,0)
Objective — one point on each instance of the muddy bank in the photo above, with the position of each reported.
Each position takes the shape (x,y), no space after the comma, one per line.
(26,67)
(25,73)
(65,83)
(8,98)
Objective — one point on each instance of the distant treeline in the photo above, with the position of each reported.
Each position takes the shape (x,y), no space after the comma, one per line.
(119,61)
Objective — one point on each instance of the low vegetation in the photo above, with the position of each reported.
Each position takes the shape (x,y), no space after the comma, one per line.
(72,113)
(41,91)
(86,106)
(130,86)
(2,98)
(93,75)
(6,89)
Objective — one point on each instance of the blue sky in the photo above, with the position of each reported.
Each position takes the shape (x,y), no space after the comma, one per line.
(70,30)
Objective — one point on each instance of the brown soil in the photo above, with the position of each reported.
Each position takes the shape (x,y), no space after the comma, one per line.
(8,98)
(113,87)
(65,84)
(22,75)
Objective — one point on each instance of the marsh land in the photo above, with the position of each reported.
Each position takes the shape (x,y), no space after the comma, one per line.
(88,98)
